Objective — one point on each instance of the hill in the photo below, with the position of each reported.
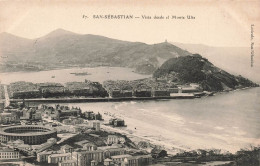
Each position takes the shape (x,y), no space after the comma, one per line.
(235,60)
(12,46)
(196,69)
(65,48)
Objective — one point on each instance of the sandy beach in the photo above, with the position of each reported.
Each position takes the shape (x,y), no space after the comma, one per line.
(189,124)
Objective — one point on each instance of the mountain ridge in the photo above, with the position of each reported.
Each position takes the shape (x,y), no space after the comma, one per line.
(61,47)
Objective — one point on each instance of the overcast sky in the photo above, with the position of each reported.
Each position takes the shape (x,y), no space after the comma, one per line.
(216,23)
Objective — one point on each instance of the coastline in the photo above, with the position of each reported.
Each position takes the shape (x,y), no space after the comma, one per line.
(171,148)
(135,137)
(82,100)
(227,140)
(122,99)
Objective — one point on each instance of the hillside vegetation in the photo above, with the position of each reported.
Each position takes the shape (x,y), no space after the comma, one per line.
(196,69)
(65,48)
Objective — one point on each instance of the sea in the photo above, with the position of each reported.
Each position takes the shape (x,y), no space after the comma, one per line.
(228,121)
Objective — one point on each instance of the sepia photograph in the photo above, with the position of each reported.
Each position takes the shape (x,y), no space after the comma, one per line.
(129,83)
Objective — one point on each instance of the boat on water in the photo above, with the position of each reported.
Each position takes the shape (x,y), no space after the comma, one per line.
(81,74)
(52,76)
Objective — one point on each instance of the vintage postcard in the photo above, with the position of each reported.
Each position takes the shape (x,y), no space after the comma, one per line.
(129,83)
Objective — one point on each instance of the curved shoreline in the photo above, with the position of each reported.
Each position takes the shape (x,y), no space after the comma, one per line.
(82,100)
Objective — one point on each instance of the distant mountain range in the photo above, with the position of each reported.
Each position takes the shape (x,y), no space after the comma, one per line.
(68,48)
(64,48)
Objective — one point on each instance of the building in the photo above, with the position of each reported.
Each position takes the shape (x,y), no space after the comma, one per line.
(31,113)
(66,149)
(2,106)
(71,112)
(7,154)
(26,94)
(25,148)
(89,155)
(8,117)
(114,139)
(158,93)
(120,158)
(68,163)
(141,160)
(120,93)
(129,160)
(127,93)
(79,88)
(15,143)
(50,142)
(114,152)
(30,134)
(37,116)
(117,122)
(43,156)
(96,125)
(84,158)
(193,88)
(23,90)
(143,93)
(115,93)
(89,147)
(109,151)
(51,89)
(27,114)
(90,115)
(173,90)
(108,162)
(56,158)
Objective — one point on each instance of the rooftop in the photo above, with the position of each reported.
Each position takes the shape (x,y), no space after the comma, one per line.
(24,146)
(142,156)
(82,142)
(110,148)
(68,161)
(115,136)
(121,156)
(6,114)
(66,147)
(108,159)
(60,154)
(85,152)
(47,152)
(7,150)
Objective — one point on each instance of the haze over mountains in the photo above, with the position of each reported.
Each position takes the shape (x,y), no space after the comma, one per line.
(64,47)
